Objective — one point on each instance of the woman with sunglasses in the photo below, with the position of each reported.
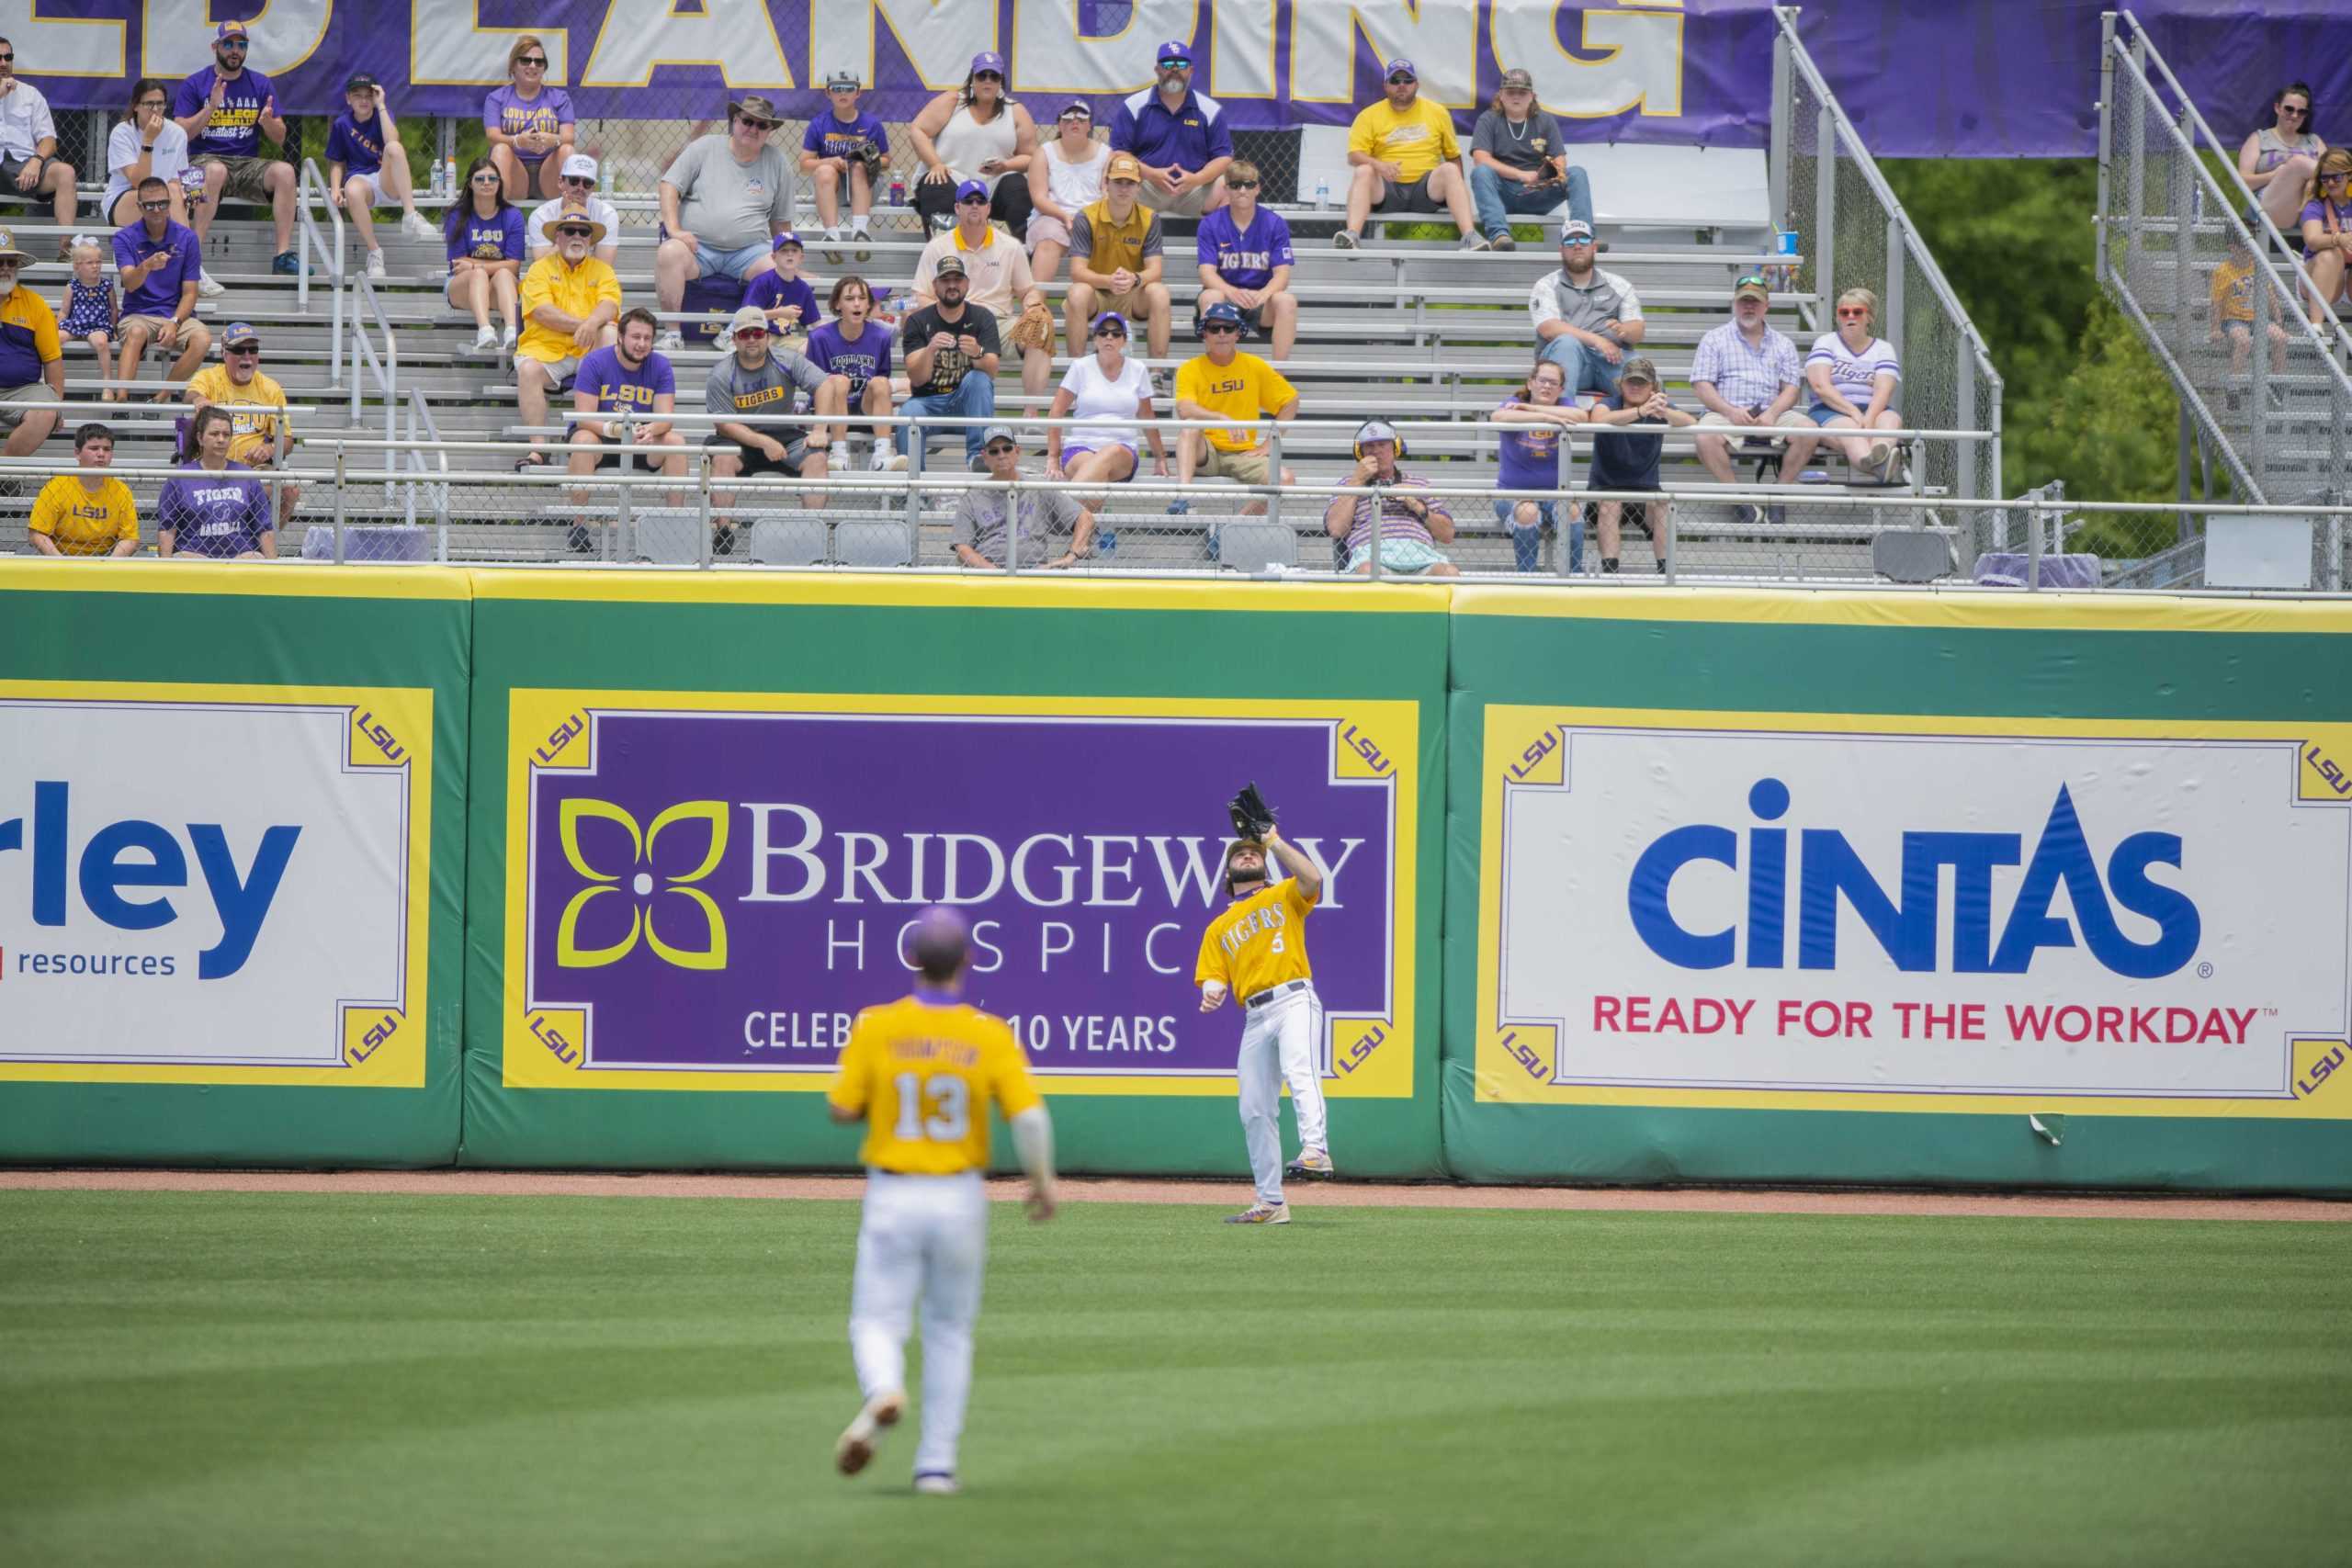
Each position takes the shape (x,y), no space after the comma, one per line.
(2328,231)
(2278,161)
(148,141)
(1531,460)
(530,124)
(1065,181)
(1106,390)
(975,132)
(485,239)
(1853,377)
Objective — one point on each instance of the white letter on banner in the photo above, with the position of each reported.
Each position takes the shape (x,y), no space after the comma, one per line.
(1050,56)
(175,37)
(641,36)
(1441,38)
(1241,51)
(67,46)
(764,848)
(939,36)
(1640,63)
(449,47)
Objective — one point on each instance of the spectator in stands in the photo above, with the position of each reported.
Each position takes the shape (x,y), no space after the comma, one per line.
(29,166)
(848,149)
(982,516)
(754,385)
(260,436)
(1747,376)
(1531,452)
(1586,317)
(1107,390)
(1117,257)
(571,301)
(226,111)
(1405,157)
(723,203)
(1411,527)
(1065,179)
(1519,162)
(1179,136)
(365,163)
(1245,258)
(2233,316)
(214,509)
(2278,161)
(2327,234)
(485,237)
(32,362)
(786,296)
(1853,377)
(88,512)
(1631,462)
(529,123)
(631,380)
(952,350)
(147,141)
(1226,383)
(854,351)
(90,309)
(158,262)
(579,182)
(997,281)
(974,134)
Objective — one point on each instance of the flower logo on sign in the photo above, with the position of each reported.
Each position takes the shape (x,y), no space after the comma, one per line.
(652,891)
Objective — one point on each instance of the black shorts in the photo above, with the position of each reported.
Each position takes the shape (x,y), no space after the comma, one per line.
(9,169)
(1408,196)
(641,459)
(756,462)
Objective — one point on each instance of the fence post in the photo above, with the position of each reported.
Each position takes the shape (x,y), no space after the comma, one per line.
(1273,473)
(1012,529)
(2106,112)
(338,503)
(1895,258)
(914,494)
(1825,201)
(701,493)
(2033,538)
(623,520)
(1776,170)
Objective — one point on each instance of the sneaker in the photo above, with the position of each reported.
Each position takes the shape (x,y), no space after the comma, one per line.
(855,1449)
(1746,515)
(1261,1215)
(671,342)
(857,233)
(838,457)
(1502,242)
(375,266)
(1879,458)
(1314,1162)
(580,541)
(209,286)
(1179,507)
(1477,242)
(508,342)
(416,228)
(932,1483)
(1346,240)
(833,243)
(485,340)
(888,460)
(285,262)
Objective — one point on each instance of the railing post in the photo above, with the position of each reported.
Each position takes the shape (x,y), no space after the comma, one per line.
(2105,113)
(623,518)
(1776,170)
(1970,455)
(915,445)
(1012,529)
(2033,539)
(1567,509)
(340,463)
(1274,472)
(1823,247)
(1665,537)
(1895,257)
(702,494)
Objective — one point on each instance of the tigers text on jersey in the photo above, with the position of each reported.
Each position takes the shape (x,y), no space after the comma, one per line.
(1259,941)
(923,1070)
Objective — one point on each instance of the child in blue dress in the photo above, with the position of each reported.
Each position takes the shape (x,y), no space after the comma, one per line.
(90,309)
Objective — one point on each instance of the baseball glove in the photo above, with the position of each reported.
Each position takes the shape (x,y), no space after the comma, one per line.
(1034,329)
(1252,817)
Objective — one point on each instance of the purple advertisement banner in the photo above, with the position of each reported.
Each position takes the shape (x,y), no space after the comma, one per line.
(720,892)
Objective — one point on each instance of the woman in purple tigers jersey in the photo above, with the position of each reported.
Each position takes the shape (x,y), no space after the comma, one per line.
(215,509)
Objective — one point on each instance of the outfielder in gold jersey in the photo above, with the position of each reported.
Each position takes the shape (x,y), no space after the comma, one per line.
(922,1073)
(1256,953)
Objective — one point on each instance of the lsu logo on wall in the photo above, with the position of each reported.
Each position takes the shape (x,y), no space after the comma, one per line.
(704,894)
(210,886)
(1696,908)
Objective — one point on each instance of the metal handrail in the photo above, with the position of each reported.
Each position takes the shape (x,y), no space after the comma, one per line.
(384,369)
(309,182)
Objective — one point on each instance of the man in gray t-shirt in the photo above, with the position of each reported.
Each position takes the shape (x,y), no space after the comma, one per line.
(755,393)
(1519,162)
(978,537)
(723,202)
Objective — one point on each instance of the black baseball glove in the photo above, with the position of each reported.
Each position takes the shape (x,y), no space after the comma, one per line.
(1252,817)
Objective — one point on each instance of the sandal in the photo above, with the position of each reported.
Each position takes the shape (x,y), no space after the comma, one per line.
(534,458)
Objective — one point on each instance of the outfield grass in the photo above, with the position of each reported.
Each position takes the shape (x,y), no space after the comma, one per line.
(240,1379)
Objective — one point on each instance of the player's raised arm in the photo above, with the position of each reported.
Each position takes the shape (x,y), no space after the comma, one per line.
(1300,865)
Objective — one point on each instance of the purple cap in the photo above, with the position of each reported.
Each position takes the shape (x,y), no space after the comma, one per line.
(787,238)
(1112,318)
(227,30)
(971,190)
(1175,48)
(1400,66)
(988,60)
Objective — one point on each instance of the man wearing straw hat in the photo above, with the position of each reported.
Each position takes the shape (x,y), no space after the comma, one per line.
(571,303)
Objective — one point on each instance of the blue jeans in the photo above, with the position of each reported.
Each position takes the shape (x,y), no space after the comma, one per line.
(973,397)
(1526,544)
(735,264)
(1497,197)
(1584,366)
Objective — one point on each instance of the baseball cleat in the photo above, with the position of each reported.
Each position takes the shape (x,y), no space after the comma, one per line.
(855,1449)
(935,1483)
(1261,1215)
(1310,1162)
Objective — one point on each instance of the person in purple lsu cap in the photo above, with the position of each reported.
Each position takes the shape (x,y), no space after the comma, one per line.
(1178,135)
(975,132)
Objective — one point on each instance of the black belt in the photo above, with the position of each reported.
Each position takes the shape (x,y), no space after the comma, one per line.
(1271,992)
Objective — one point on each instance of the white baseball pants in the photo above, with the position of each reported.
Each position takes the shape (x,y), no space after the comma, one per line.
(1280,1042)
(922,1237)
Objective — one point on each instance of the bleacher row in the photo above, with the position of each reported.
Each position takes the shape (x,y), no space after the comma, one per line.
(1403,329)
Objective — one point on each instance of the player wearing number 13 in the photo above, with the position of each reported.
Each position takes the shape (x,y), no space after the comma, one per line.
(920,1072)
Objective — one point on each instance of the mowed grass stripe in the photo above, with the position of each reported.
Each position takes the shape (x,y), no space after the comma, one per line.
(307,1377)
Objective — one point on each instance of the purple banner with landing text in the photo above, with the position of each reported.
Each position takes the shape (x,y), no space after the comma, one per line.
(720,892)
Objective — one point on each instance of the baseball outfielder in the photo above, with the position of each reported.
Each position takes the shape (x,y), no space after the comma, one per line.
(920,1072)
(1256,951)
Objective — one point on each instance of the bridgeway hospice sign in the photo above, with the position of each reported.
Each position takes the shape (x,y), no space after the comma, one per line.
(1887,913)
(705,889)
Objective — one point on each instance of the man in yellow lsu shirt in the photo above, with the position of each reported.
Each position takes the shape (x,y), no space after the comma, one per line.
(921,1073)
(1225,383)
(88,512)
(1256,952)
(1406,162)
(260,436)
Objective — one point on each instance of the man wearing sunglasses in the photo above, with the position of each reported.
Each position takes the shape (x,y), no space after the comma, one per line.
(723,203)
(1225,383)
(983,518)
(998,281)
(1748,375)
(226,111)
(572,303)
(1586,317)
(29,166)
(579,185)
(1407,161)
(158,262)
(259,434)
(755,391)
(1179,136)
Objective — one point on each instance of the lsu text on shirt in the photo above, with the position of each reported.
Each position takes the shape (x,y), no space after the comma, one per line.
(80,524)
(923,1069)
(1416,141)
(1247,388)
(1259,941)
(254,411)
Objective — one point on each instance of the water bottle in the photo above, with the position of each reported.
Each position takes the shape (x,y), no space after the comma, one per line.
(1106,545)
(897,189)
(449,177)
(1786,273)
(1323,192)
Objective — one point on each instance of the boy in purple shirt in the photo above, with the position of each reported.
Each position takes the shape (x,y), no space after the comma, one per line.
(854,351)
(226,111)
(159,262)
(846,148)
(784,296)
(367,164)
(1245,258)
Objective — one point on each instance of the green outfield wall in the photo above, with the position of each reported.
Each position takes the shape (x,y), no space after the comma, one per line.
(414,866)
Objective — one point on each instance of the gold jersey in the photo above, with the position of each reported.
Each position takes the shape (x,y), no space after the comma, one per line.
(1259,941)
(923,1072)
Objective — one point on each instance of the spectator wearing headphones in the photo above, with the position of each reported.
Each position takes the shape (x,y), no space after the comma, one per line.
(1411,526)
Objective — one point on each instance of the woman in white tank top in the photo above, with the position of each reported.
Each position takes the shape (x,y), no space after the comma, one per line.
(1066,177)
(970,133)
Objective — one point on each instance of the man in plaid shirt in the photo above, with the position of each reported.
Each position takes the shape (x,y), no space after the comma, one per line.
(1748,375)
